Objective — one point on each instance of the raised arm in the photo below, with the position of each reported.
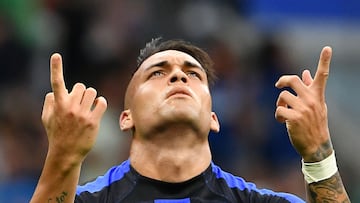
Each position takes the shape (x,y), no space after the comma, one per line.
(305,116)
(71,121)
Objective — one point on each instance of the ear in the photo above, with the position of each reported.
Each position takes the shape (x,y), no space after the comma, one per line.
(126,123)
(214,125)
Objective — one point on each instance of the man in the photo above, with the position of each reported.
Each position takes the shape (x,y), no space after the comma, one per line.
(168,110)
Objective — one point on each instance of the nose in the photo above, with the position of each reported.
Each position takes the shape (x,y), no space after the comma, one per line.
(178,76)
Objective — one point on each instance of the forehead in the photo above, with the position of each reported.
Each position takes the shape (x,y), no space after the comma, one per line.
(171,56)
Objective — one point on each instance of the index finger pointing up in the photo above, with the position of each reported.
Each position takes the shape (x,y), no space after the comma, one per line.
(322,72)
(57,77)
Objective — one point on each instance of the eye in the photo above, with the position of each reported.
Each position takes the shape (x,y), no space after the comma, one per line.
(157,73)
(194,74)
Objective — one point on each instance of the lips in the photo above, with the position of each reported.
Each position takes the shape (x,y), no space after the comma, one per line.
(178,91)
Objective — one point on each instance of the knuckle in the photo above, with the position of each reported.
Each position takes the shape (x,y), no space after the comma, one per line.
(89,123)
(43,118)
(303,114)
(297,117)
(283,93)
(92,124)
(312,104)
(83,119)
(294,79)
(283,77)
(71,113)
(56,81)
(49,95)
(278,115)
(302,111)
(325,74)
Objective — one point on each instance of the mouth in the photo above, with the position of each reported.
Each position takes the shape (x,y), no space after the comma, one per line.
(181,92)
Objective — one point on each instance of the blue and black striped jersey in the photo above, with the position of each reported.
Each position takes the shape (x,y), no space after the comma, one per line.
(123,184)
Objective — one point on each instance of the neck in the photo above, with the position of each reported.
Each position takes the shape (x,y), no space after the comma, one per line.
(170,157)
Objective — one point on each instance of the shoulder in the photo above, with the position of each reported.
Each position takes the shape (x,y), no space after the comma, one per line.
(240,189)
(114,174)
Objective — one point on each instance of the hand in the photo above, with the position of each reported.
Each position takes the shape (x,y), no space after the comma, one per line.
(305,113)
(71,120)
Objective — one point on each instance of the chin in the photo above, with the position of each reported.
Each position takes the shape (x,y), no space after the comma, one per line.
(181,114)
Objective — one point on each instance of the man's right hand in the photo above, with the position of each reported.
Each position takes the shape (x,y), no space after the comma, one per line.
(71,119)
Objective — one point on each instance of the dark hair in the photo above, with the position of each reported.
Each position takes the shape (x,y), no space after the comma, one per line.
(156,45)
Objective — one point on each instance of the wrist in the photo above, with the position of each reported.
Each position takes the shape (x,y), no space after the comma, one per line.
(321,170)
(63,162)
(318,152)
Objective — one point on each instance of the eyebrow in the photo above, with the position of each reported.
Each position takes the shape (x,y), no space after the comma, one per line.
(165,63)
(159,64)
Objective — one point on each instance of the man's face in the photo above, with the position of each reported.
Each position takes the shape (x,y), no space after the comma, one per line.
(171,87)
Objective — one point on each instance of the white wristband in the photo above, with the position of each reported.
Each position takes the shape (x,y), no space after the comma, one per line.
(318,171)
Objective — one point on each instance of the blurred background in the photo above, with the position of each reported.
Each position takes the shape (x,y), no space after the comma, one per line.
(252,42)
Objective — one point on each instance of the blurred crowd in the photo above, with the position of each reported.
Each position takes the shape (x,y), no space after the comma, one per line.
(99,42)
